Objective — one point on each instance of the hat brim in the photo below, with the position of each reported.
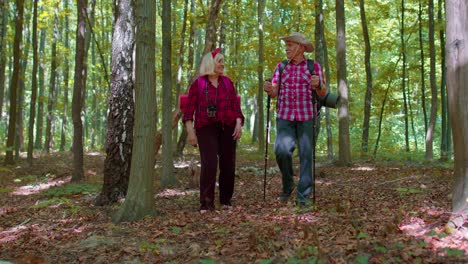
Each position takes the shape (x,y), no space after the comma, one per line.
(307,45)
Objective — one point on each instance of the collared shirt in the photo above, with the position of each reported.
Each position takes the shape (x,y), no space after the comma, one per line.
(294,102)
(224,97)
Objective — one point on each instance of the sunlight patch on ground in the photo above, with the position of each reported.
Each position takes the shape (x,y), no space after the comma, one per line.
(11,234)
(433,236)
(183,164)
(174,193)
(363,169)
(36,188)
(93,154)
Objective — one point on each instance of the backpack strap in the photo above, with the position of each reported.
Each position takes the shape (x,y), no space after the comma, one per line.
(313,69)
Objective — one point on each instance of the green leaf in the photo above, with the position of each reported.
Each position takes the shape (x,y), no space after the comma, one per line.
(362,259)
(176,230)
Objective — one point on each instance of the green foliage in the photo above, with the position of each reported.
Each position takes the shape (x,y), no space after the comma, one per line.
(73,189)
(53,201)
(5,190)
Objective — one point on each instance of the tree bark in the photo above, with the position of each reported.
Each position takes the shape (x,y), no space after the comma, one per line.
(32,105)
(52,87)
(79,86)
(445,126)
(261,65)
(66,77)
(343,111)
(3,51)
(14,82)
(368,98)
(432,78)
(403,75)
(167,176)
(40,103)
(120,119)
(139,202)
(457,88)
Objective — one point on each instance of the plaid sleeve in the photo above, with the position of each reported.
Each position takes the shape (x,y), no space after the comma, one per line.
(275,78)
(192,102)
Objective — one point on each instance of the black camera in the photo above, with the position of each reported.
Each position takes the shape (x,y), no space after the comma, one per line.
(330,100)
(211,110)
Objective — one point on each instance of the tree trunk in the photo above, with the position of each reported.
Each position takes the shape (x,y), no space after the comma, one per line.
(261,61)
(368,99)
(423,72)
(432,78)
(457,87)
(445,128)
(167,176)
(40,103)
(120,119)
(79,86)
(32,107)
(139,202)
(3,51)
(180,67)
(14,82)
(343,111)
(52,88)
(321,55)
(403,75)
(66,77)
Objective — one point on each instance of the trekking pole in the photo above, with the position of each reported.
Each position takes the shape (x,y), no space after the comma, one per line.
(266,145)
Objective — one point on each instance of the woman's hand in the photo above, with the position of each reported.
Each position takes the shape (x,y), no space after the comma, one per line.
(237,130)
(192,138)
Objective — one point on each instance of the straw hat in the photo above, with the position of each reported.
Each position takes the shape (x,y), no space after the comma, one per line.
(301,39)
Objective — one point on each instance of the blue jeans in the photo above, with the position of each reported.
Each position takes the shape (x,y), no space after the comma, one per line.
(289,134)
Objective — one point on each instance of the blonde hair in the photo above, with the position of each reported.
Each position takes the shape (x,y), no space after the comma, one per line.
(208,63)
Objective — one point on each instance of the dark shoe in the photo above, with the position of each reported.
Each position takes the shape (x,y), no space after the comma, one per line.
(205,208)
(284,198)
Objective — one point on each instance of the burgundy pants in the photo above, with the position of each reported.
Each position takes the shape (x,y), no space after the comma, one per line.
(216,145)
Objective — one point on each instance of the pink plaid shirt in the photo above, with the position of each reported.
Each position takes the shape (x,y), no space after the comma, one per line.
(294,102)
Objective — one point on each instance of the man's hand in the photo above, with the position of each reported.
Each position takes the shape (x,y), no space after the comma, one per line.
(315,81)
(270,89)
(321,90)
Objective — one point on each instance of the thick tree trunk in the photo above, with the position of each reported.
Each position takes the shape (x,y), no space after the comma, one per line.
(457,87)
(343,111)
(14,82)
(79,86)
(139,201)
(120,120)
(167,175)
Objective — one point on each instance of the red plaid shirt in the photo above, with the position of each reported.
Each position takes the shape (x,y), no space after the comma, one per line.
(294,102)
(226,100)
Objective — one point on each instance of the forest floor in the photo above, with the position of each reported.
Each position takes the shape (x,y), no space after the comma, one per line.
(368,213)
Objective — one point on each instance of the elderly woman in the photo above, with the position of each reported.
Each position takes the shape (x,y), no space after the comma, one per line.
(213,103)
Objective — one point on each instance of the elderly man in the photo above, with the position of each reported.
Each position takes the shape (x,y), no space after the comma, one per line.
(296,89)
